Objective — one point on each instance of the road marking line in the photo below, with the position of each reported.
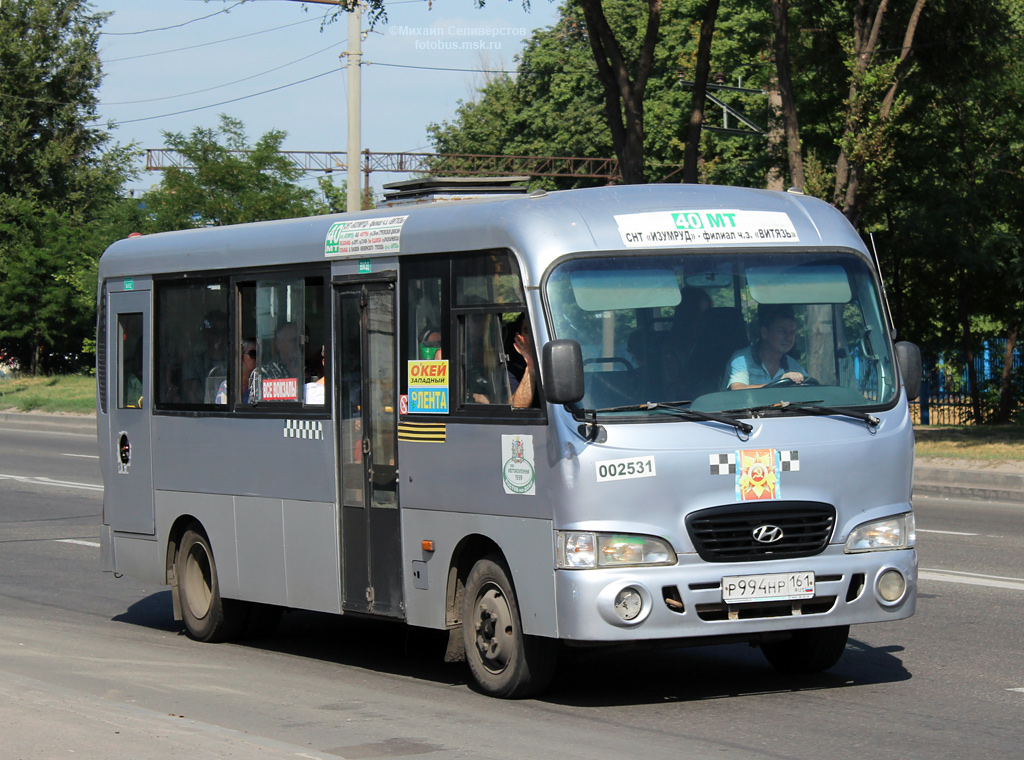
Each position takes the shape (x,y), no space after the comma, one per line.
(50,482)
(972,579)
(946,532)
(973,575)
(78,542)
(82,456)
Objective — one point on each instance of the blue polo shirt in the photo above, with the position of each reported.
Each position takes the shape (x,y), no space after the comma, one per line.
(744,368)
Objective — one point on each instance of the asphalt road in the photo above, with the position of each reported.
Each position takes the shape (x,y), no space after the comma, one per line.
(95,667)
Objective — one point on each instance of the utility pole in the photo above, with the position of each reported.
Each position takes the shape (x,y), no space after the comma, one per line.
(355,59)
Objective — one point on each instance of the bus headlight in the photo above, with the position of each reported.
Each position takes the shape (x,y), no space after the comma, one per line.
(883,535)
(579,550)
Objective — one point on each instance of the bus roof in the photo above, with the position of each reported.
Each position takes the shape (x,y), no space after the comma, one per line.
(546,225)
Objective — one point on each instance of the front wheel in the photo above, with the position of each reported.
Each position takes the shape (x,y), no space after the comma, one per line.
(207,617)
(504,662)
(809,651)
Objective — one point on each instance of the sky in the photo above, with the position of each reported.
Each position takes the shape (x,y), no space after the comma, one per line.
(174,65)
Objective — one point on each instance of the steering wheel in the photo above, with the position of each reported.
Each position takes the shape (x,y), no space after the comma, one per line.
(610,360)
(785,382)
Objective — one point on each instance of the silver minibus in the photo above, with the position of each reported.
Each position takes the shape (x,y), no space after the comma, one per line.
(643,415)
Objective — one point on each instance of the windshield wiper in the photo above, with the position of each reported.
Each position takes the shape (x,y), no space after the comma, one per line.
(674,408)
(815,407)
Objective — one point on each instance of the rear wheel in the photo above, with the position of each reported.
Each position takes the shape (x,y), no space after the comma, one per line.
(207,617)
(809,651)
(504,662)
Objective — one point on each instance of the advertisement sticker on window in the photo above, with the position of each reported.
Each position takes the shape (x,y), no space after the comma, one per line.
(428,386)
(280,389)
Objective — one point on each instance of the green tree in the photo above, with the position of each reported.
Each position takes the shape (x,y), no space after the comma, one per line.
(555,105)
(228,181)
(622,58)
(949,214)
(59,178)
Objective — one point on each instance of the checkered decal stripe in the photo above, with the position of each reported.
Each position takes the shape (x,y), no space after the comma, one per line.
(312,430)
(790,460)
(722,464)
(725,464)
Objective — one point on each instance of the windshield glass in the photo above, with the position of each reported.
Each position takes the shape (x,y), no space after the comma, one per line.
(727,332)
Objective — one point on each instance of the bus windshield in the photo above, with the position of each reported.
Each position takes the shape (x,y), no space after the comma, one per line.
(728,332)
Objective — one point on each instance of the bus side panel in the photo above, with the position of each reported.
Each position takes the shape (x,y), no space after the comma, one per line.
(216,514)
(139,557)
(276,551)
(527,544)
(288,553)
(312,555)
(465,472)
(259,538)
(242,455)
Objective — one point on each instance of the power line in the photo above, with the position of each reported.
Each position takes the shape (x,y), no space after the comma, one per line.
(442,68)
(174,26)
(207,44)
(226,84)
(226,102)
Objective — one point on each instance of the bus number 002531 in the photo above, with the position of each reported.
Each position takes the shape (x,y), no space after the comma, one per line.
(623,469)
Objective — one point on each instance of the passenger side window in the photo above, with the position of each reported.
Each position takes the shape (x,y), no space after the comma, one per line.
(191,351)
(467,310)
(485,370)
(284,321)
(129,361)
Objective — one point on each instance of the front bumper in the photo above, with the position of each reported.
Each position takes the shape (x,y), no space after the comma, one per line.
(685,600)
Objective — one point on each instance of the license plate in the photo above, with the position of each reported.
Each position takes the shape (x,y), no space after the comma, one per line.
(773,587)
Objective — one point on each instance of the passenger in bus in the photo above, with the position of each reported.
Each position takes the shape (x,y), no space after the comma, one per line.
(523,370)
(767,360)
(250,358)
(206,366)
(314,392)
(288,353)
(133,374)
(430,343)
(686,318)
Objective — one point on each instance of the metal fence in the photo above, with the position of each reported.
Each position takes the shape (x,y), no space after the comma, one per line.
(946,387)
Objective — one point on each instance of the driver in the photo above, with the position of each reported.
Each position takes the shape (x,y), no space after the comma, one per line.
(766,361)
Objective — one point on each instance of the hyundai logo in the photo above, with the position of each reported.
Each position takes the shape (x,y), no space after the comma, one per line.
(767,534)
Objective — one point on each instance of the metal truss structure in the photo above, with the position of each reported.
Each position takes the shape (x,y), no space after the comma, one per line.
(434,164)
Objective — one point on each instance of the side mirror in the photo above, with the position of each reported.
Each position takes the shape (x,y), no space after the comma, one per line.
(908,356)
(562,365)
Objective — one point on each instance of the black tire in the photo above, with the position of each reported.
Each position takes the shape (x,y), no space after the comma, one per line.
(504,662)
(809,651)
(207,617)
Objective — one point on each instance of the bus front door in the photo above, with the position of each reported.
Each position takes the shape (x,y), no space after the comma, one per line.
(371,563)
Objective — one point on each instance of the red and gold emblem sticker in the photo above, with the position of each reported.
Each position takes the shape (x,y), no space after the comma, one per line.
(757,476)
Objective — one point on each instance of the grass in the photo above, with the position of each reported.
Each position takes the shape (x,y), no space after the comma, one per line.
(990,443)
(76,394)
(64,394)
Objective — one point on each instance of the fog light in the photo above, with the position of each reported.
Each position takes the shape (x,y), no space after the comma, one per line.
(892,585)
(628,603)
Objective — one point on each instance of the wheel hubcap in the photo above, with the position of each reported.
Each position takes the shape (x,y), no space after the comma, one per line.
(198,582)
(495,635)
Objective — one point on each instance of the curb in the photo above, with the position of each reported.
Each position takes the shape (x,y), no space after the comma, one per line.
(85,422)
(955,483)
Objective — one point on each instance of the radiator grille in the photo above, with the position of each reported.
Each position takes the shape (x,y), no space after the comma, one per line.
(726,534)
